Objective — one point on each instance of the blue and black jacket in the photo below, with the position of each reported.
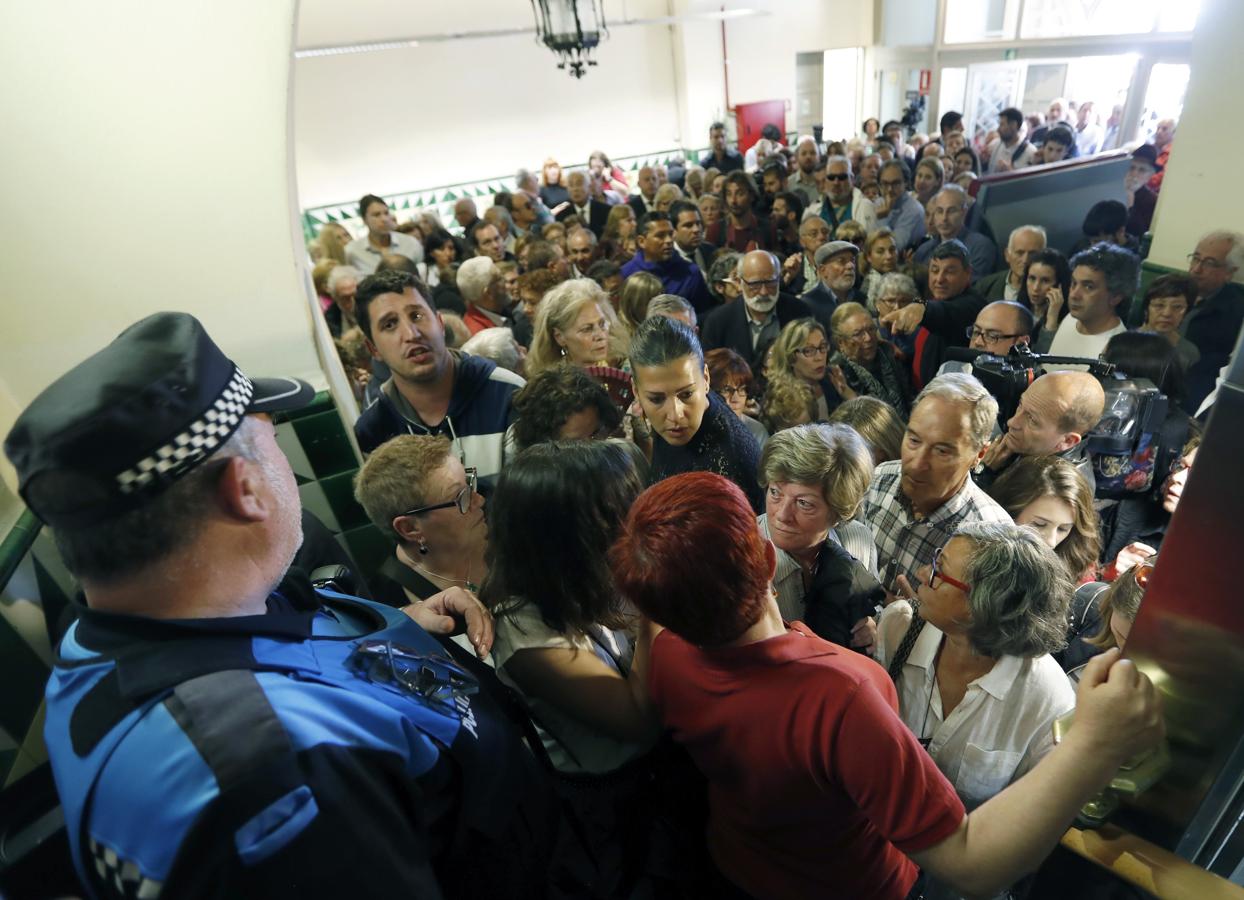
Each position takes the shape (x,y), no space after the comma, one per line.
(328,748)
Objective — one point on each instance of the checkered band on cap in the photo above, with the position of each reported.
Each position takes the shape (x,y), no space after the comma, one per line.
(202,438)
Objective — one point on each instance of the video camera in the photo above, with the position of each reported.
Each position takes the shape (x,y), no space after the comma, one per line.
(1126,445)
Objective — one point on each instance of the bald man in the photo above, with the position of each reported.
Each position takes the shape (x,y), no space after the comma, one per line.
(645,201)
(1054,414)
(1022,244)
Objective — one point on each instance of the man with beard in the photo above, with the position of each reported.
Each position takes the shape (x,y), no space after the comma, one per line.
(842,200)
(750,324)
(432,390)
(740,228)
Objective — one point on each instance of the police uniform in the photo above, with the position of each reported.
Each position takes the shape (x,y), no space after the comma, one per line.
(329,747)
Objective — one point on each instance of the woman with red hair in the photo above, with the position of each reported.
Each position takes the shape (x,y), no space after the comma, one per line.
(816,788)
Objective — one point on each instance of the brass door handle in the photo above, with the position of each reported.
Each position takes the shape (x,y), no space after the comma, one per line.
(1133,778)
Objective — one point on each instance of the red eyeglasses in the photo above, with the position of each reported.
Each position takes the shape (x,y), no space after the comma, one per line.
(935,574)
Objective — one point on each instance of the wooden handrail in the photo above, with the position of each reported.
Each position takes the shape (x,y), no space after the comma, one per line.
(1148,866)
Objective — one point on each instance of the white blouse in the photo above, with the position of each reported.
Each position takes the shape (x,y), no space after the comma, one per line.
(1001,728)
(572,745)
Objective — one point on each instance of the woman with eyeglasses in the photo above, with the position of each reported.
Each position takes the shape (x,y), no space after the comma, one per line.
(889,293)
(730,376)
(801,353)
(969,651)
(864,364)
(416,491)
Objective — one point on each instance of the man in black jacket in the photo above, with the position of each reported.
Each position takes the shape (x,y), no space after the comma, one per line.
(1214,321)
(750,324)
(593,213)
(948,314)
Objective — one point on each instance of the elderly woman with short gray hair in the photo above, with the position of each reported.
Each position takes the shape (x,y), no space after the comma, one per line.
(972,664)
(866,365)
(815,478)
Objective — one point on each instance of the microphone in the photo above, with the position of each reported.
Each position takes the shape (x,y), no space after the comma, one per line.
(964,354)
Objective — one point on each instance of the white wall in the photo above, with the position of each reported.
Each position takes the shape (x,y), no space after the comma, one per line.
(1200,190)
(397,120)
(147,169)
(441,113)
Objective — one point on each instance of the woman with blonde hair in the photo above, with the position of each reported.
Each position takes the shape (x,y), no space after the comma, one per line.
(801,353)
(617,242)
(877,423)
(694,182)
(1051,497)
(572,325)
(928,179)
(332,241)
(552,191)
(665,197)
(637,292)
(880,258)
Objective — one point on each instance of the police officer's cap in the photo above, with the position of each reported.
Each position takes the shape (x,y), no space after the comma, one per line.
(124,424)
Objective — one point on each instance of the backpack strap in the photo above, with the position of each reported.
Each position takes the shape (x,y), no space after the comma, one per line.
(905,646)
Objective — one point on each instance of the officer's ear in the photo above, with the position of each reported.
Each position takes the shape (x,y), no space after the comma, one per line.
(241,490)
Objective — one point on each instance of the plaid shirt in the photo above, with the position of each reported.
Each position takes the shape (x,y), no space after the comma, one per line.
(904,542)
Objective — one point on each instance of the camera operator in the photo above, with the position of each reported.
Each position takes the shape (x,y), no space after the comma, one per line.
(1054,414)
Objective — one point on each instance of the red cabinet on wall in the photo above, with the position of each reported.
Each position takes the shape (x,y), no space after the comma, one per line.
(752,117)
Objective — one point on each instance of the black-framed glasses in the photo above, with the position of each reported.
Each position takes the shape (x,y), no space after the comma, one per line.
(990,337)
(462,499)
(768,284)
(936,573)
(732,390)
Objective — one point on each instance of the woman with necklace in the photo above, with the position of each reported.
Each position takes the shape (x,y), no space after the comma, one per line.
(976,682)
(416,491)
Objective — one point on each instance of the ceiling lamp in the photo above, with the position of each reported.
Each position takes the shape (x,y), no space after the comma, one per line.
(571,29)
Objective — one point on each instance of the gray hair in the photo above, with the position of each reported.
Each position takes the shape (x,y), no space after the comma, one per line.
(474,276)
(670,304)
(522,176)
(959,387)
(1235,256)
(127,544)
(340,274)
(830,160)
(497,344)
(832,457)
(892,283)
(1038,230)
(955,191)
(1020,592)
(591,235)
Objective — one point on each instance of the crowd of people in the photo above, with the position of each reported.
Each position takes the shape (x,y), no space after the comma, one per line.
(758,590)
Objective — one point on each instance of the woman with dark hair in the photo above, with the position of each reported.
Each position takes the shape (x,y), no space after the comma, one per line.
(1138,354)
(868,131)
(561,626)
(927,179)
(816,788)
(1047,281)
(1167,301)
(562,403)
(440,252)
(966,160)
(617,243)
(693,428)
(1050,496)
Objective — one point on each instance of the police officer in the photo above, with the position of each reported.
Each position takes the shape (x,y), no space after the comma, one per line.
(217,728)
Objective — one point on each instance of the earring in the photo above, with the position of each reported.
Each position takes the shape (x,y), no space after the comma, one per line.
(423,547)
(563,350)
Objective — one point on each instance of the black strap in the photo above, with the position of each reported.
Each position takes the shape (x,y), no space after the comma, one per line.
(905,646)
(230,721)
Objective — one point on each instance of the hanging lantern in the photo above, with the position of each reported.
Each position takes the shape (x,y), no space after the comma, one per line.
(571,29)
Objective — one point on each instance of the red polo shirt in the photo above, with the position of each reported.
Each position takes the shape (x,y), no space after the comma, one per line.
(816,787)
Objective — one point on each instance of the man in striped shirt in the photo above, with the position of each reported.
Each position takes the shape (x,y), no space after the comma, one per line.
(915,504)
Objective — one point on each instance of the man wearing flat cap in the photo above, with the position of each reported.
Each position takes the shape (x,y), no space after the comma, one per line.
(216,726)
(835,271)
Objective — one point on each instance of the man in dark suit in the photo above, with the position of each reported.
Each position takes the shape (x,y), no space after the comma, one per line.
(593,213)
(689,240)
(835,271)
(750,324)
(645,201)
(1214,321)
(1007,284)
